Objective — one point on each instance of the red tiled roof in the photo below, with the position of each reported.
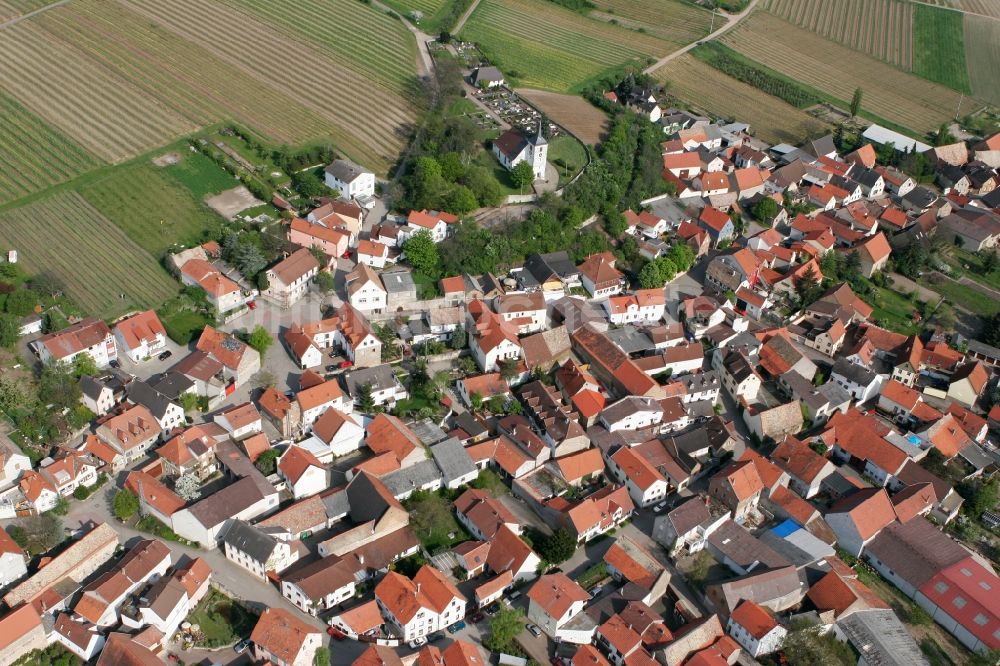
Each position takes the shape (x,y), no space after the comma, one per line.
(756,620)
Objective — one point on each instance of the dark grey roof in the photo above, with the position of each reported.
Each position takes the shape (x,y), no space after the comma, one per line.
(554,264)
(915,550)
(688,515)
(91,387)
(344,170)
(379,378)
(868,177)
(246,538)
(452,459)
(488,74)
(428,432)
(920,197)
(469,424)
(630,339)
(143,394)
(700,381)
(630,404)
(398,282)
(853,372)
(821,146)
(410,478)
(761,586)
(744,549)
(171,384)
(336,504)
(234,498)
(365,498)
(881,639)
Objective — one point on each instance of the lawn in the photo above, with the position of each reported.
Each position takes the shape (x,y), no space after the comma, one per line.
(593,575)
(222,620)
(568,155)
(894,311)
(970,265)
(939,47)
(487,159)
(427,287)
(434,522)
(200,175)
(961,295)
(491,481)
(153,208)
(182,325)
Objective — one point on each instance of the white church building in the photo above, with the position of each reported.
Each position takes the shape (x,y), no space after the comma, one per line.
(514,146)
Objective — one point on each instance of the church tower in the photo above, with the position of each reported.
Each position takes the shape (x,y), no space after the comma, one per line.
(539,151)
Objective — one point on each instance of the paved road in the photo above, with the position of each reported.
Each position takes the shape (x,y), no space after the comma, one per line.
(731,21)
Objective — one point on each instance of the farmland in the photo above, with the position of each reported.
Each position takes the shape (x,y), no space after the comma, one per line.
(434,12)
(939,54)
(982,53)
(152,209)
(541,45)
(13,8)
(674,21)
(131,76)
(33,155)
(881,28)
(96,262)
(574,113)
(980,7)
(709,89)
(836,70)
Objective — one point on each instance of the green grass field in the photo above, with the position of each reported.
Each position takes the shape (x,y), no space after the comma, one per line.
(434,12)
(939,47)
(200,175)
(894,311)
(102,270)
(33,155)
(568,155)
(962,296)
(153,208)
(539,44)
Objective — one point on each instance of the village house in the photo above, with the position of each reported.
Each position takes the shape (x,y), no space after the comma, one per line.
(365,290)
(288,280)
(282,638)
(755,629)
(257,551)
(351,180)
(221,292)
(140,336)
(436,223)
(89,336)
(599,275)
(131,433)
(428,603)
(338,214)
(554,602)
(644,306)
(380,382)
(372,253)
(492,339)
(333,241)
(525,312)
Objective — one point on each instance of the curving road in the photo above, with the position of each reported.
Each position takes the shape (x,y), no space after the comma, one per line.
(731,21)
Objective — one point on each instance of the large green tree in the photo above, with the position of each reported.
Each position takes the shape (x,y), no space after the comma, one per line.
(261,340)
(504,628)
(523,175)
(422,253)
(125,504)
(557,547)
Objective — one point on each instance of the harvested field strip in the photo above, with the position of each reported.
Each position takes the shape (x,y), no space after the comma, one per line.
(327,88)
(67,238)
(105,113)
(542,45)
(573,112)
(358,35)
(907,100)
(33,155)
(939,51)
(674,21)
(880,28)
(982,52)
(770,118)
(200,86)
(150,207)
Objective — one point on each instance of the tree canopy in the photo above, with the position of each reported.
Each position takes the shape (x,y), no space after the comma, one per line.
(422,253)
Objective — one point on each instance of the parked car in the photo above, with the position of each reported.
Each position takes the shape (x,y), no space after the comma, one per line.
(337,634)
(417,642)
(435,637)
(659,507)
(252,305)
(478,617)
(595,592)
(346,364)
(533,628)
(165,355)
(114,364)
(240,647)
(493,608)
(457,627)
(514,596)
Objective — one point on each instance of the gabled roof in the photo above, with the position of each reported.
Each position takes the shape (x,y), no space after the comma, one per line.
(742,479)
(796,458)
(869,509)
(282,634)
(556,593)
(295,462)
(144,326)
(755,619)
